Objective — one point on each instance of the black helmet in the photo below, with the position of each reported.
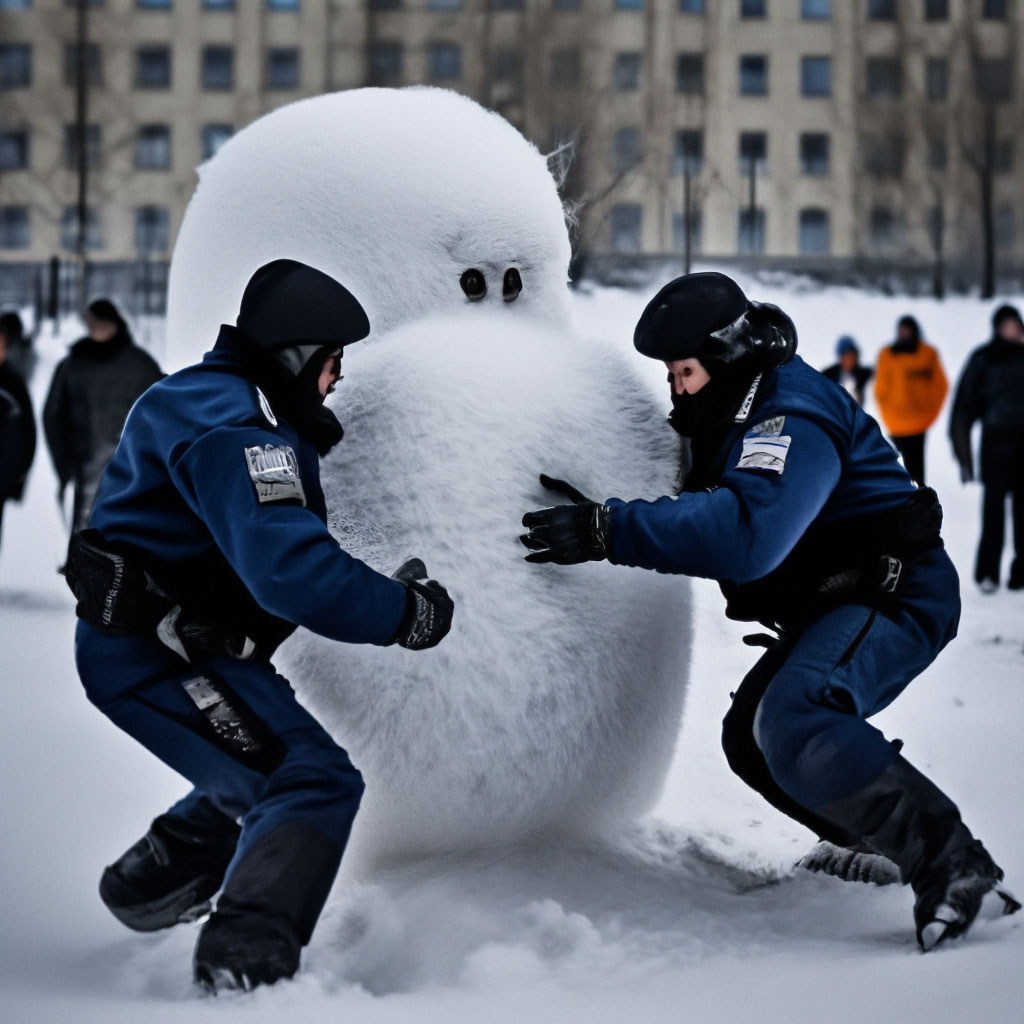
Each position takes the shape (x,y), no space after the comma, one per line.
(707,317)
(291,311)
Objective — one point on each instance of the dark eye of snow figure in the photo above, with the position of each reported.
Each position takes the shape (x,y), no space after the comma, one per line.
(512,285)
(473,284)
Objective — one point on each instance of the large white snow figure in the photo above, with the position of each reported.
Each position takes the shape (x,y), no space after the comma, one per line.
(554,703)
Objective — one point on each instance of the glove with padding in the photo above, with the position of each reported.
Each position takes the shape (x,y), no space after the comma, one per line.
(428,608)
(567,534)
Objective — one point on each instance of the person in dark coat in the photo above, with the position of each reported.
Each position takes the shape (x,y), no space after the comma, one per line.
(991,390)
(798,506)
(848,372)
(21,356)
(17,426)
(207,547)
(92,390)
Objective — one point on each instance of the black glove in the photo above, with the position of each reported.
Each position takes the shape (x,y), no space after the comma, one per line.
(567,534)
(428,608)
(966,473)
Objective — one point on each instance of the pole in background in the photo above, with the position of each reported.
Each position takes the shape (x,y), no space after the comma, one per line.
(82,128)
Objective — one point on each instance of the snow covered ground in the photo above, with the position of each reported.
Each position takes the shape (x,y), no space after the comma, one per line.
(684,930)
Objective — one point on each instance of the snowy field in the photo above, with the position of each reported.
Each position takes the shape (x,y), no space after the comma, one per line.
(714,928)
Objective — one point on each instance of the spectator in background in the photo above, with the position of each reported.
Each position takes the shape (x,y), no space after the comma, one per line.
(991,389)
(92,390)
(910,387)
(17,422)
(848,372)
(20,355)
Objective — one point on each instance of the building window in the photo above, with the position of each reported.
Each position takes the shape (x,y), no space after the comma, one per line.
(816,10)
(14,150)
(153,67)
(566,5)
(386,63)
(152,229)
(507,83)
(69,229)
(282,5)
(1003,157)
(750,234)
(507,5)
(93,146)
(627,71)
(690,74)
(679,231)
(14,227)
(691,6)
(938,156)
(565,69)
(753,74)
(153,5)
(994,9)
(936,10)
(15,5)
(219,5)
(214,136)
(444,5)
(936,79)
(153,147)
(444,62)
(217,70)
(881,10)
(884,77)
(93,64)
(385,5)
(627,223)
(15,65)
(282,67)
(629,5)
(753,153)
(814,154)
(816,76)
(688,152)
(884,229)
(883,157)
(814,232)
(1004,227)
(627,150)
(753,8)
(992,78)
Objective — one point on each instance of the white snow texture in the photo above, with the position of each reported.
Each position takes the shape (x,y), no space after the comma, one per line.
(555,702)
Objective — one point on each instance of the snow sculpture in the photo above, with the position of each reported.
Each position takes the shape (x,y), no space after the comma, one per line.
(555,702)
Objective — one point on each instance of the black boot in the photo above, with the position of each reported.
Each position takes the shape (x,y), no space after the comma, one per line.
(905,817)
(268,910)
(173,871)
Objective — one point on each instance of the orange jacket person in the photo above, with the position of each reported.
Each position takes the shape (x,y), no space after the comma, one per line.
(910,387)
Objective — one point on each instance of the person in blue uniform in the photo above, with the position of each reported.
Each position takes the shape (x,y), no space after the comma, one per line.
(206,547)
(794,501)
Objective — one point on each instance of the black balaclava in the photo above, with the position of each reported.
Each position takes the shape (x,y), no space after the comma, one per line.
(706,316)
(293,317)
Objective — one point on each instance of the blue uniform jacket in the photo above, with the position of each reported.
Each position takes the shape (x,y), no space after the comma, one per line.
(206,471)
(806,453)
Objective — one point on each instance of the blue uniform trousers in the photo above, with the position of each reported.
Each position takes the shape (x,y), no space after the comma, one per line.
(797,729)
(302,776)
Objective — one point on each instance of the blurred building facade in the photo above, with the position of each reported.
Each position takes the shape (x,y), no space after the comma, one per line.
(798,133)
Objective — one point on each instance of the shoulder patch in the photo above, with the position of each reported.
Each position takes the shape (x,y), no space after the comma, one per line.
(765,453)
(275,474)
(770,428)
(265,407)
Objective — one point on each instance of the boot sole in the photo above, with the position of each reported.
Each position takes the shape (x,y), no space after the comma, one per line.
(182,906)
